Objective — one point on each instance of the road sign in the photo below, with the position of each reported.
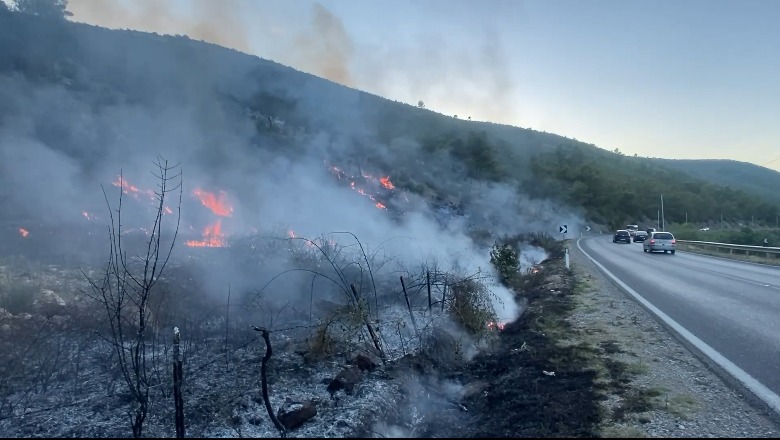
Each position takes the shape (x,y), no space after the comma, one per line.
(587,228)
(563,229)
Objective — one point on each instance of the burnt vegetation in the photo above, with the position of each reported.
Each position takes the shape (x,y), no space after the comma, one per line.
(411,338)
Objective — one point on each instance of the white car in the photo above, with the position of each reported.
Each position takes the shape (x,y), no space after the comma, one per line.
(660,241)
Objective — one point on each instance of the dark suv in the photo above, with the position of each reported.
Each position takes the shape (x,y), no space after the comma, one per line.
(622,235)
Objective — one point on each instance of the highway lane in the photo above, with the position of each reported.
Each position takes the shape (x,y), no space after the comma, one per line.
(731,306)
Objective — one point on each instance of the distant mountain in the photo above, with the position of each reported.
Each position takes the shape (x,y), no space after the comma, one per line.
(738,175)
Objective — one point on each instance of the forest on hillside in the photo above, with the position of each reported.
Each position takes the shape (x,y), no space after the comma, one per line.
(615,190)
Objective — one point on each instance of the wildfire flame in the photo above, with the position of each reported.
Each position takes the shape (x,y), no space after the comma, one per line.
(133,191)
(212,237)
(24,232)
(385,181)
(216,203)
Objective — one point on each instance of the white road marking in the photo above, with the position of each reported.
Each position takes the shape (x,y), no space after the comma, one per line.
(761,391)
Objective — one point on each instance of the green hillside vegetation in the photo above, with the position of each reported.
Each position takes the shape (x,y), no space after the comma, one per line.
(738,175)
(616,189)
(746,234)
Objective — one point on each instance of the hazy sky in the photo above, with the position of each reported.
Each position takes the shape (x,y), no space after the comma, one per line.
(696,79)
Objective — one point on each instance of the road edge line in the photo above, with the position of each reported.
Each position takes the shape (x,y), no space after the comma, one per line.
(757,388)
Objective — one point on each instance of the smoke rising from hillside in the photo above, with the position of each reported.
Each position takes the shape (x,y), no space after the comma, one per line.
(469,80)
(215,22)
(61,143)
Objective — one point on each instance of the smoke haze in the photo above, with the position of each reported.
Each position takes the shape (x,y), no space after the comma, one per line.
(137,99)
(419,64)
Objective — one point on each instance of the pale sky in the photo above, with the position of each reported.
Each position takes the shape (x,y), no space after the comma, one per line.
(680,79)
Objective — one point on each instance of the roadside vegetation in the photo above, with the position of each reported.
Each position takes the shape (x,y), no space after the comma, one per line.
(745,235)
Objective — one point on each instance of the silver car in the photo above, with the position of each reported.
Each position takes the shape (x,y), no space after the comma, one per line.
(660,241)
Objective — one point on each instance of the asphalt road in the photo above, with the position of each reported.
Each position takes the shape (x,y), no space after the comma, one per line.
(732,307)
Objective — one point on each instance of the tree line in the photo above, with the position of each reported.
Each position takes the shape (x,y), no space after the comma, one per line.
(615,189)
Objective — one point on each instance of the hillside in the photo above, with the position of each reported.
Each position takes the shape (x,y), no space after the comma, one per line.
(738,175)
(149,183)
(255,103)
(114,85)
(165,201)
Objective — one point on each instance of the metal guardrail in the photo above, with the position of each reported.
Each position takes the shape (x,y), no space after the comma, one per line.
(763,251)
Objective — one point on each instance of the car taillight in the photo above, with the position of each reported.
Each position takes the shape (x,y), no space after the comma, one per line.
(652,241)
(674,241)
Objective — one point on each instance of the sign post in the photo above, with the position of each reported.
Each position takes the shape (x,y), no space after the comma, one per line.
(564,229)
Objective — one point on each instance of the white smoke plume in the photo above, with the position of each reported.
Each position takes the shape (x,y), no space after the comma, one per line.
(116,102)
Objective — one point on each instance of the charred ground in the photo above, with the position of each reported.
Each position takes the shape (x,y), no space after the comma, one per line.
(528,383)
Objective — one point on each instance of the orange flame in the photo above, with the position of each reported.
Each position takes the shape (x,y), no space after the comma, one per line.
(217,204)
(130,189)
(212,237)
(385,181)
(24,232)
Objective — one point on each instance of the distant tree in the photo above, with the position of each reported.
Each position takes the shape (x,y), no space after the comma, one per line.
(420,104)
(43,8)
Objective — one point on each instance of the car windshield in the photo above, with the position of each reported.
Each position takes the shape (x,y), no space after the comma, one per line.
(663,236)
(641,233)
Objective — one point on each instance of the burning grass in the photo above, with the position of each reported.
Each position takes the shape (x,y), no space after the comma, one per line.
(307,341)
(380,331)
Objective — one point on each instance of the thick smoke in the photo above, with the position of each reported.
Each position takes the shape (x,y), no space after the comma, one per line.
(467,78)
(140,99)
(215,22)
(325,48)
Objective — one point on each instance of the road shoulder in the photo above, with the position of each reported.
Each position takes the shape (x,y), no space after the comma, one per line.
(668,391)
